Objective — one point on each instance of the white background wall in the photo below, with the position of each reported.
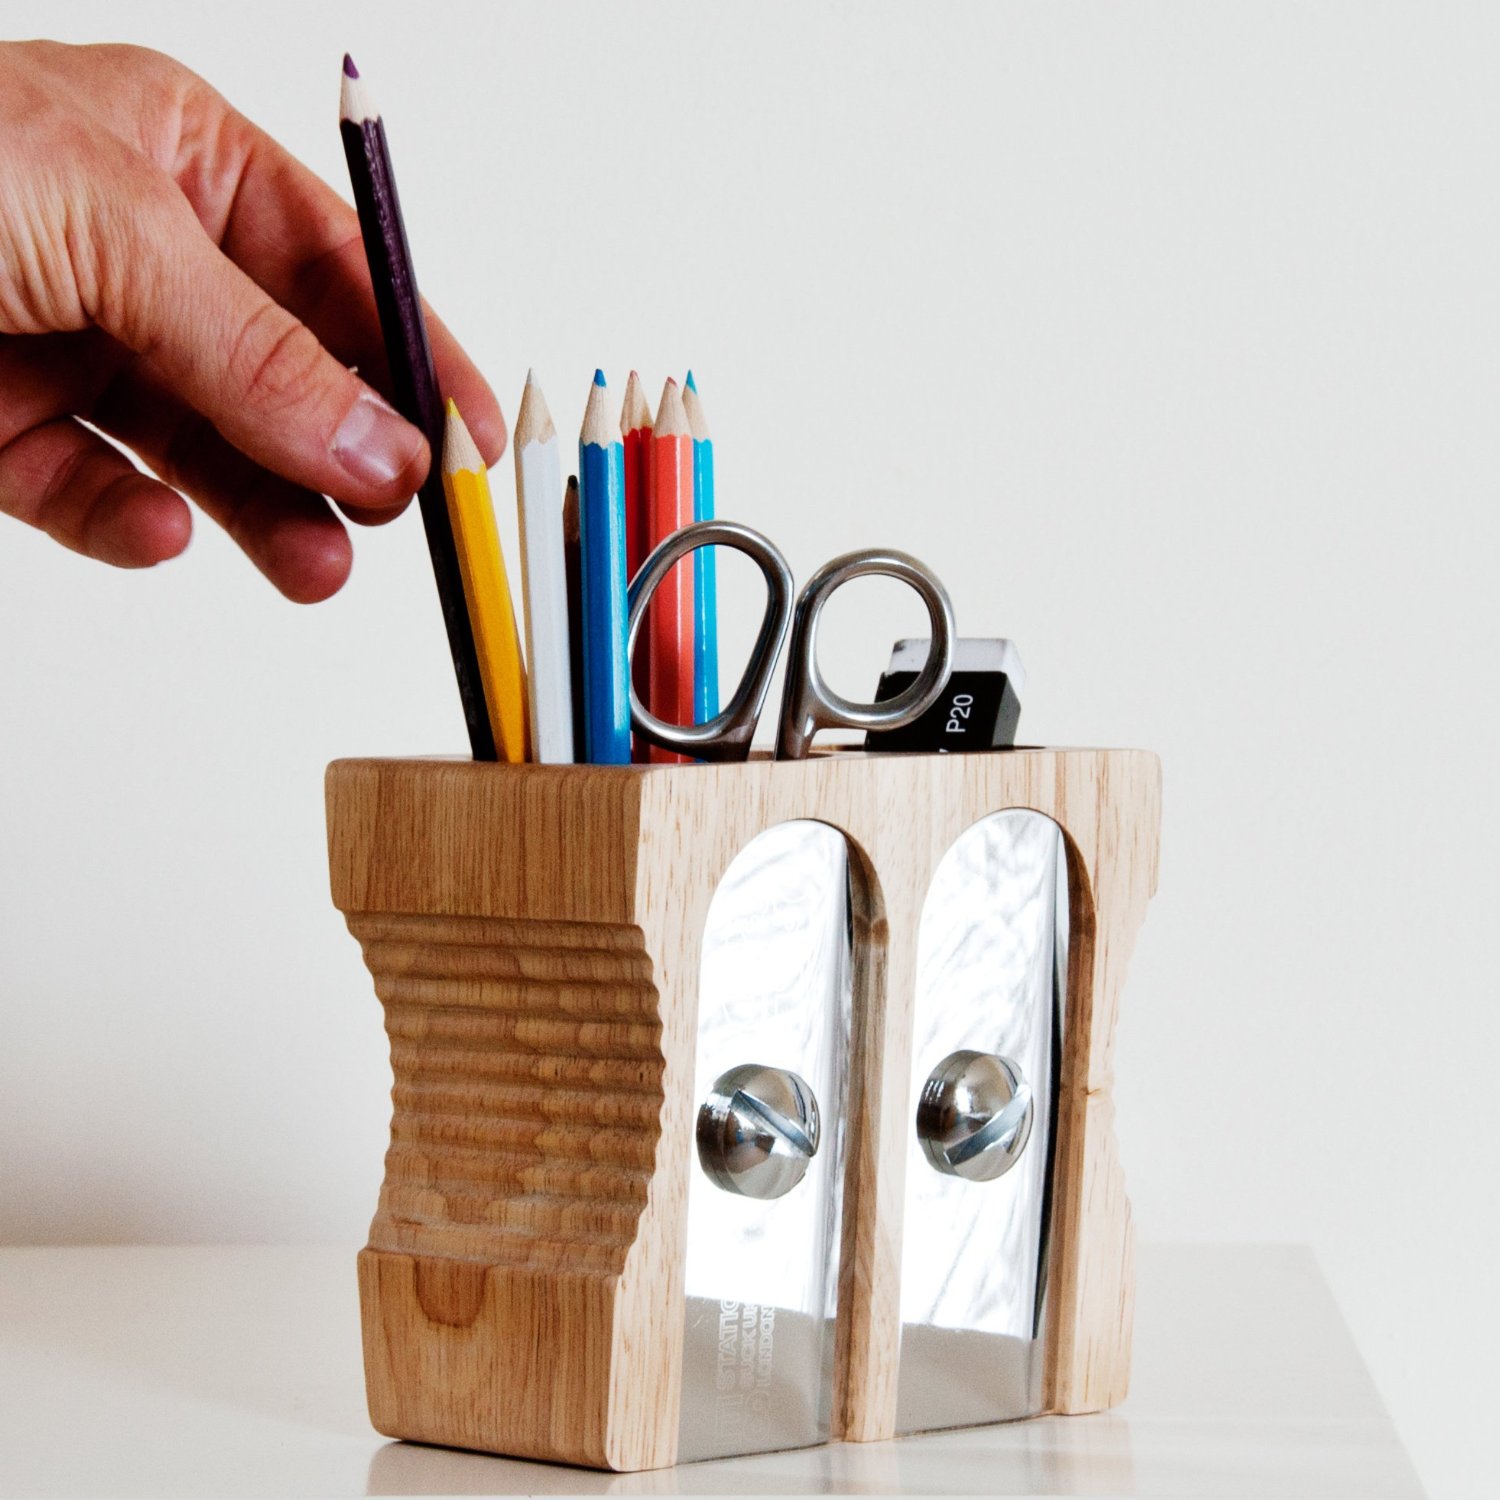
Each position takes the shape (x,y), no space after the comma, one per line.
(1167,335)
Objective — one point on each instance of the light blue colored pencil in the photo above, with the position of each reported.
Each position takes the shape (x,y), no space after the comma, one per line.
(705,573)
(601,525)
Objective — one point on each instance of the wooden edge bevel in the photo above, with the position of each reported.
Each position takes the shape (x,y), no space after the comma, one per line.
(854,1350)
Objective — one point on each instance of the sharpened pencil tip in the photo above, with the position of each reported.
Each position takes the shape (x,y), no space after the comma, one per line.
(530,376)
(460,452)
(533,421)
(671,417)
(691,384)
(601,424)
(635,415)
(355,104)
(692,404)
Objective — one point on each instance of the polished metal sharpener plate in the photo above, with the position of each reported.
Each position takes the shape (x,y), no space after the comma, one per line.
(991,975)
(762,1273)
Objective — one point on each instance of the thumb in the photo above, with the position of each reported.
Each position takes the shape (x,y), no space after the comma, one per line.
(243,361)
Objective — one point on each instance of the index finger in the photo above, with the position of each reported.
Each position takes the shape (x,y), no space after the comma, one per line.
(300,242)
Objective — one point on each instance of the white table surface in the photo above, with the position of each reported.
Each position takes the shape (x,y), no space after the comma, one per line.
(169,1372)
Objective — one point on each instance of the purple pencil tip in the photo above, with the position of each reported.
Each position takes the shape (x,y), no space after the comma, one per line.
(598,377)
(350,71)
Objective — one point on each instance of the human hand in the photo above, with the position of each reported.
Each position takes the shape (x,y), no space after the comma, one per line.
(170,275)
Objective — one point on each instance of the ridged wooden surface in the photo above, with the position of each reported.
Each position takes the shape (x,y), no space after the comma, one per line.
(534,934)
(527,1096)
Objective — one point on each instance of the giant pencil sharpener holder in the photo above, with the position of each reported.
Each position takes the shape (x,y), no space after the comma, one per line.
(745,1107)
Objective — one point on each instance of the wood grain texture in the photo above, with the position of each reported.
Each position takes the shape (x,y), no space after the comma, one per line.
(534,936)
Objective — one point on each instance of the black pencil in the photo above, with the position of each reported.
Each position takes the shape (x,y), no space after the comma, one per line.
(573,573)
(413,378)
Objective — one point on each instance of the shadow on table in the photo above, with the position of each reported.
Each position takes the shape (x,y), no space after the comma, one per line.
(1049,1455)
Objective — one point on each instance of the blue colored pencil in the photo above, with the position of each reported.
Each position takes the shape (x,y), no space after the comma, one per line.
(705,573)
(601,526)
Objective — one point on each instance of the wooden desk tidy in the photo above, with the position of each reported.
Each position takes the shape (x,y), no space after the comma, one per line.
(534,935)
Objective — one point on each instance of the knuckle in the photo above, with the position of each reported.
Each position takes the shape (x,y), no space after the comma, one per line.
(58,512)
(128,58)
(276,361)
(60,211)
(117,240)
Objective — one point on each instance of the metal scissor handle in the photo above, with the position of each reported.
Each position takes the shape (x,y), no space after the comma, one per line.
(809,704)
(728,736)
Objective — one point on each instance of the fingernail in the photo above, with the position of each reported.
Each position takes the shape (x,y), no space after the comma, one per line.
(374,444)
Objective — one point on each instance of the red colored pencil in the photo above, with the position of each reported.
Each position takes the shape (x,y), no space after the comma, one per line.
(635,428)
(670,626)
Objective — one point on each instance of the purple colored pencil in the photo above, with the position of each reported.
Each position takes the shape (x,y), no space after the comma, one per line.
(414,386)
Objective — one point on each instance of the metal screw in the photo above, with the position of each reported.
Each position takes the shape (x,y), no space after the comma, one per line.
(757,1131)
(974,1116)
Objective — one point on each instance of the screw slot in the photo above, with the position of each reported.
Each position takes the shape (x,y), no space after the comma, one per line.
(974,1116)
(758,1130)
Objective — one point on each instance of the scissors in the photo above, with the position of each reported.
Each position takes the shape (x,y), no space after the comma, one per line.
(808,704)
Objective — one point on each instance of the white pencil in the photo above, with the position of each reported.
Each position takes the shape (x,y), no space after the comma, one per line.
(544,587)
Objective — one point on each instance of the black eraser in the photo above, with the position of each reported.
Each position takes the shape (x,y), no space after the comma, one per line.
(979,708)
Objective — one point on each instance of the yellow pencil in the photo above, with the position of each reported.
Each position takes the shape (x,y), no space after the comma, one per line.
(486,589)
